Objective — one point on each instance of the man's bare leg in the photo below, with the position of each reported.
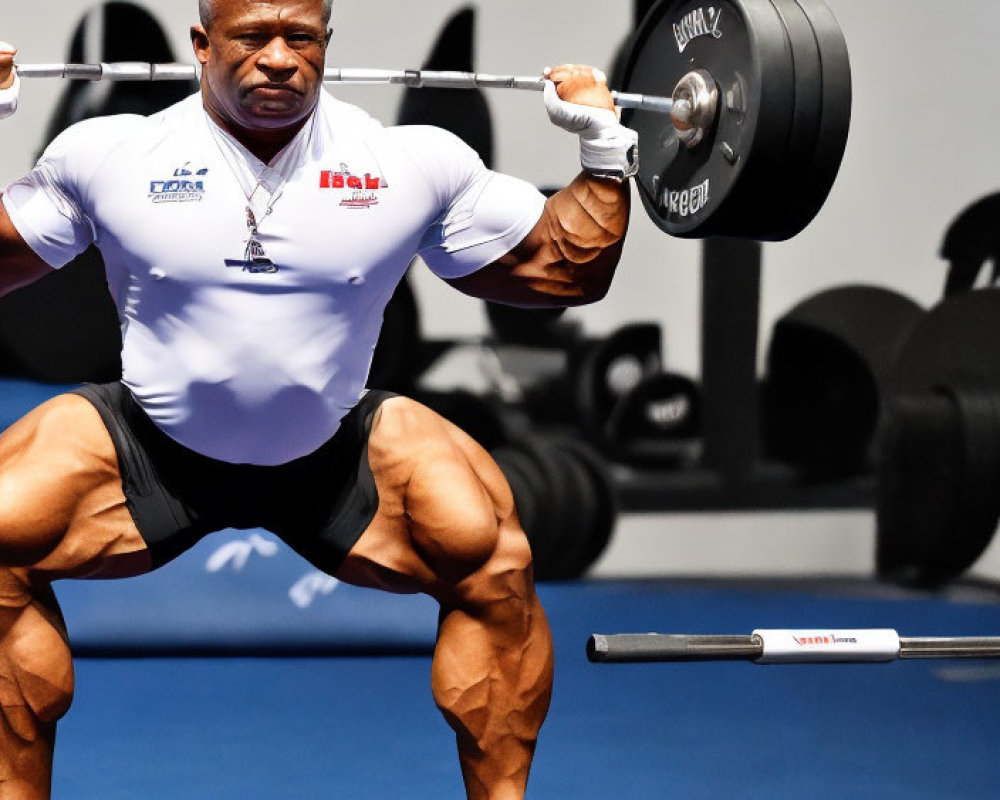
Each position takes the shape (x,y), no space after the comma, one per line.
(446,525)
(62,513)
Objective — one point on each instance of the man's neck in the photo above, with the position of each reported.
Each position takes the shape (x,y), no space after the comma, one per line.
(265,143)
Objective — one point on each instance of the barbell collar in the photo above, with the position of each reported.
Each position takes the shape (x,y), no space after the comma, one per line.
(41,70)
(695,107)
(175,72)
(426,79)
(83,72)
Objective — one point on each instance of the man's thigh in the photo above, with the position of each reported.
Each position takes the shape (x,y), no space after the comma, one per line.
(444,507)
(62,508)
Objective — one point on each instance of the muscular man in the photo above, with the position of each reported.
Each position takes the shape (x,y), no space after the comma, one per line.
(253,234)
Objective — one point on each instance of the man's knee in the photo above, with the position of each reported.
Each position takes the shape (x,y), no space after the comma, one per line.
(507,575)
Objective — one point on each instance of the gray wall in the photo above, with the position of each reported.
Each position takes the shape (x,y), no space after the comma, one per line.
(922,146)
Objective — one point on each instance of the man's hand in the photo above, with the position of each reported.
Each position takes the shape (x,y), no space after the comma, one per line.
(8,80)
(578,100)
(7,53)
(586,86)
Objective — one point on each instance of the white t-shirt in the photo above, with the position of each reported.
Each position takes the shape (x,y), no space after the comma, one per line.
(238,360)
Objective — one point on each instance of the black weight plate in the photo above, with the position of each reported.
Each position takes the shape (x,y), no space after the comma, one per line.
(971,241)
(525,481)
(790,213)
(957,340)
(609,368)
(835,122)
(938,507)
(555,502)
(577,525)
(658,422)
(919,496)
(935,494)
(662,406)
(724,186)
(828,364)
(604,494)
(979,407)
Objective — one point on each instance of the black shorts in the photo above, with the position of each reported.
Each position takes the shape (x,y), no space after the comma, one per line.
(319,504)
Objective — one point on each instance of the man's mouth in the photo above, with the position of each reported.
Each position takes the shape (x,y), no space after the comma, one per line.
(273,96)
(274,90)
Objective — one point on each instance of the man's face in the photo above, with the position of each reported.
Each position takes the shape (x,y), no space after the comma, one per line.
(263,61)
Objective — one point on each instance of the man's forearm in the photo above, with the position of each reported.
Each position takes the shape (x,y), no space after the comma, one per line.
(586,222)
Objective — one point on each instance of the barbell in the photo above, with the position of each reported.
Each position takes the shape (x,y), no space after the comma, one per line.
(742,108)
(360,76)
(776,646)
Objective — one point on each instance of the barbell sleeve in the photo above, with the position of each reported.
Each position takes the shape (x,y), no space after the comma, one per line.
(142,71)
(950,647)
(643,647)
(773,646)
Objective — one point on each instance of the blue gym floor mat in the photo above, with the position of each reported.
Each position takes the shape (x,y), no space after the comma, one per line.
(366,728)
(18,396)
(241,592)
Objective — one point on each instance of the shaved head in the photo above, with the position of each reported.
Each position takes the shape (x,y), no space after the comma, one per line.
(206,11)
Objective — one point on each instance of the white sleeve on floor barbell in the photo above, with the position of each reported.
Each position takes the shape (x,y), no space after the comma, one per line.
(803,646)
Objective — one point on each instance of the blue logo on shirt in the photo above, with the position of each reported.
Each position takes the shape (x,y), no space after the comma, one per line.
(183,187)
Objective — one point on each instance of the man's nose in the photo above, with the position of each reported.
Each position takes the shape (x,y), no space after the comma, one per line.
(277,58)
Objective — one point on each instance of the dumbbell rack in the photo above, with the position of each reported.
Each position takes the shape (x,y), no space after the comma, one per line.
(731,474)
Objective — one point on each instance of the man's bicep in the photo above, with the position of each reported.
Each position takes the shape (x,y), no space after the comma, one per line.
(19,264)
(508,278)
(486,223)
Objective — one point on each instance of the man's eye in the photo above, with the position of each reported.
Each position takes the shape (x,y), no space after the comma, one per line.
(301,40)
(251,38)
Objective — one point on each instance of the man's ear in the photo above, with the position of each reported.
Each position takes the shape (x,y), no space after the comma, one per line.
(329,35)
(200,43)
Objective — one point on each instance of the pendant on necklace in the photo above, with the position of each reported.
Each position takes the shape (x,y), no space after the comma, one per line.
(254,259)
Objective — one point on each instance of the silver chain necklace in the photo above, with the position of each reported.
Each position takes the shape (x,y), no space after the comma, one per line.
(255,260)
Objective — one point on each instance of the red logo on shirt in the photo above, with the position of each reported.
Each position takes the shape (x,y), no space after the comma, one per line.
(361,192)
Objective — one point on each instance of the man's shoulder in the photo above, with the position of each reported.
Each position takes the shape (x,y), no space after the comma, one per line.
(425,136)
(106,133)
(422,140)
(343,115)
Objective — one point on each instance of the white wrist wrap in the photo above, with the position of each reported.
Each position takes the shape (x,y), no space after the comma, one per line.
(607,148)
(8,98)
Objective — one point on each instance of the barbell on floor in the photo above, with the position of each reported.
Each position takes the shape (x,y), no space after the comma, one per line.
(773,646)
(742,110)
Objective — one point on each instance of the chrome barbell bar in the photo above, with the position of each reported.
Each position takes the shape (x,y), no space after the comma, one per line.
(143,71)
(787,647)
